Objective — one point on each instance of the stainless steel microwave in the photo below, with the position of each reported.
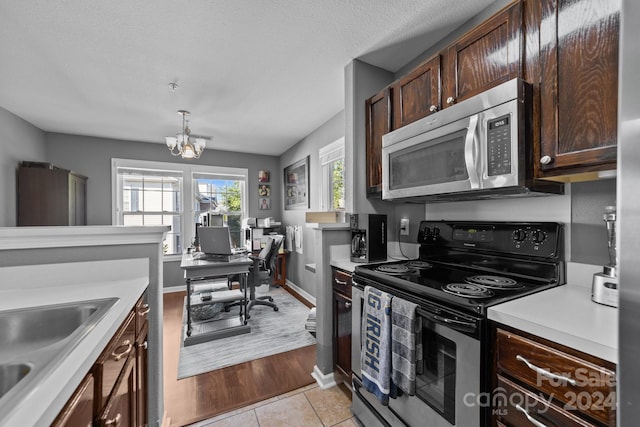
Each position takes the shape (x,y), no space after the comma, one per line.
(479,148)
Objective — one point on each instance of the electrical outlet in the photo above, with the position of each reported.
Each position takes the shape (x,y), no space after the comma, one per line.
(404,226)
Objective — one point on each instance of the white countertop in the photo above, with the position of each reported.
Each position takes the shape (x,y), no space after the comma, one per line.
(30,286)
(565,315)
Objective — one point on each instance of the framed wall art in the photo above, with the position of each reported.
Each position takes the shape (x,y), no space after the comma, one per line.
(263,176)
(296,185)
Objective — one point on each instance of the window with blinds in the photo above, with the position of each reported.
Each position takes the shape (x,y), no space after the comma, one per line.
(332,164)
(221,194)
(152,197)
(178,195)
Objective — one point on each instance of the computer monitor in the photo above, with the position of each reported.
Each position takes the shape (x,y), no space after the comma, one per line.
(215,240)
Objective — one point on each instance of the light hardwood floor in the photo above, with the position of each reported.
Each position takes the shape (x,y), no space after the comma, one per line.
(207,395)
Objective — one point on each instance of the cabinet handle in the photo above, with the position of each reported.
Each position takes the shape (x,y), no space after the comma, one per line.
(433,108)
(544,372)
(546,160)
(340,282)
(145,345)
(118,356)
(451,100)
(114,421)
(145,310)
(347,305)
(529,417)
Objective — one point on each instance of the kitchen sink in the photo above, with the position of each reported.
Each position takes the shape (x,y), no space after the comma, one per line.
(34,340)
(11,374)
(33,328)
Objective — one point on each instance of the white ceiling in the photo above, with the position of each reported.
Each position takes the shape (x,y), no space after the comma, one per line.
(257,75)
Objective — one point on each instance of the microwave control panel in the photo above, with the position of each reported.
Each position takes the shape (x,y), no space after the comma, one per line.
(499,146)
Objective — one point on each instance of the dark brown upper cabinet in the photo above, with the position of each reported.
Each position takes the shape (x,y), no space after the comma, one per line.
(579,88)
(378,122)
(486,56)
(417,94)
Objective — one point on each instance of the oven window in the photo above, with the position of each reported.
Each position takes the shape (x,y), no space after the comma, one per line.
(437,384)
(432,162)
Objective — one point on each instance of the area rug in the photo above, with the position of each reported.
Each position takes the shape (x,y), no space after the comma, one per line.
(272,332)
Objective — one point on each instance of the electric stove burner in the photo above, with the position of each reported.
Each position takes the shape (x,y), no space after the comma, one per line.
(494,282)
(395,269)
(468,290)
(419,264)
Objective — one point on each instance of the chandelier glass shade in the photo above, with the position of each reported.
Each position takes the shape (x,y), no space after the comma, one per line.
(183,144)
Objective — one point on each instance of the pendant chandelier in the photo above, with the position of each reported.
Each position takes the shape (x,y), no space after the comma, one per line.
(183,144)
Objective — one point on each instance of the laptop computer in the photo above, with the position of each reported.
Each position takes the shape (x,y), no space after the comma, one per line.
(215,240)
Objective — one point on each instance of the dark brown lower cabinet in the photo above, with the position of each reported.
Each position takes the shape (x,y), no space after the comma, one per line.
(539,382)
(342,322)
(79,410)
(121,408)
(114,392)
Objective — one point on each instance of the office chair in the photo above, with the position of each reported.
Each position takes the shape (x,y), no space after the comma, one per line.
(262,271)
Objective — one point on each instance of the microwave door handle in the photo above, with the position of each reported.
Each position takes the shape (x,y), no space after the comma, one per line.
(470,152)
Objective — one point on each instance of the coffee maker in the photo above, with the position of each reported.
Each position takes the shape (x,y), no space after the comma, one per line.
(604,289)
(368,237)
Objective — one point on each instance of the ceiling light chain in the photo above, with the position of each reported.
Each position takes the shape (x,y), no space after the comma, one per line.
(183,144)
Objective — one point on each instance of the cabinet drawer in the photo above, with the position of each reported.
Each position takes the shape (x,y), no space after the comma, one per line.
(577,383)
(342,282)
(112,360)
(519,407)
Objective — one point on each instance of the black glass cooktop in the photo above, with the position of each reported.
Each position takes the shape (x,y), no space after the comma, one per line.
(464,286)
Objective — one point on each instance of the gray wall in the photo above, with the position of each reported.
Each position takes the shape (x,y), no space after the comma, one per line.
(19,140)
(327,133)
(91,156)
(589,236)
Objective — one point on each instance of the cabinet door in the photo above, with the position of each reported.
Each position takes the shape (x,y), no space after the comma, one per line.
(378,122)
(579,86)
(416,95)
(485,57)
(77,200)
(142,377)
(121,406)
(43,196)
(79,409)
(342,333)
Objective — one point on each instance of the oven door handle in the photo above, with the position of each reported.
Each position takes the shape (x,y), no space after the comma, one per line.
(460,325)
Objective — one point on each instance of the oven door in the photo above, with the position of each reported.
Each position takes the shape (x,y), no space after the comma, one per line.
(446,391)
(442,160)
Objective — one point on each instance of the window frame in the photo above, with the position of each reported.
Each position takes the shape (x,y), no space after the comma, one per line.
(187,191)
(327,155)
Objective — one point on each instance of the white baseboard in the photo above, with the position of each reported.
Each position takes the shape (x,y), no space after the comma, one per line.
(304,294)
(325,381)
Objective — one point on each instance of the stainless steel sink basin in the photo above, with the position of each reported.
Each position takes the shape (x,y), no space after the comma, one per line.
(29,329)
(34,340)
(11,374)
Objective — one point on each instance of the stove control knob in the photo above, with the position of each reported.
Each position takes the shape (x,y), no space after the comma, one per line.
(426,233)
(436,231)
(538,236)
(519,235)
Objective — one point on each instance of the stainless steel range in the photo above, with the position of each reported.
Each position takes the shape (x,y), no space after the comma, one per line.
(463,268)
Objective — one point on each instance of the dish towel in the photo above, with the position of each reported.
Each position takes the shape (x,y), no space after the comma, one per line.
(406,345)
(376,343)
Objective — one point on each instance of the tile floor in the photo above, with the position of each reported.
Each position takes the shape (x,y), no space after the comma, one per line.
(308,406)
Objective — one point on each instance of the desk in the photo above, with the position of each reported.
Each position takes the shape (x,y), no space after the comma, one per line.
(197,270)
